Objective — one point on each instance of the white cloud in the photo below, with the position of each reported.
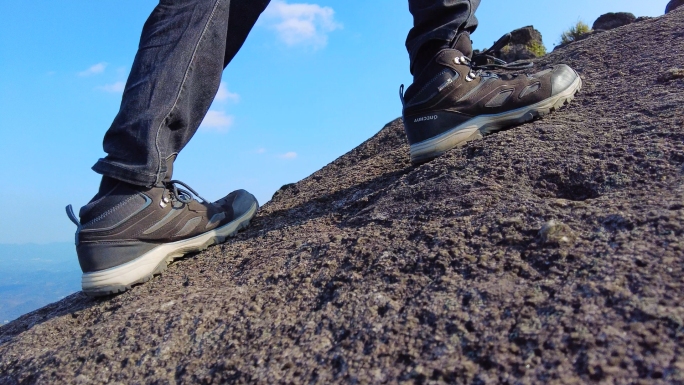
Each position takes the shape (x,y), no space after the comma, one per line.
(223,94)
(300,23)
(261,150)
(115,88)
(217,121)
(94,70)
(289,155)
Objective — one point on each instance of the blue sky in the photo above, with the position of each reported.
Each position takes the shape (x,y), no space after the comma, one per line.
(293,100)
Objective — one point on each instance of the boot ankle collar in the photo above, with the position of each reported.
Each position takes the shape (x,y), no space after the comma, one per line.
(463,44)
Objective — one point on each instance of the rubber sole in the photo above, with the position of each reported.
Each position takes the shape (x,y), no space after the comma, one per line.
(482,125)
(154,262)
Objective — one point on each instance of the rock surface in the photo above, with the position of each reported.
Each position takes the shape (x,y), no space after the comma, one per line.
(374,271)
(526,43)
(613,20)
(674,4)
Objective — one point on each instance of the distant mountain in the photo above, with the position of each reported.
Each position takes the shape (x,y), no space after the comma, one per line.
(32,276)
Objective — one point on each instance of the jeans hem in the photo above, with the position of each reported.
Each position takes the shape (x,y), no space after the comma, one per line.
(124,174)
(414,46)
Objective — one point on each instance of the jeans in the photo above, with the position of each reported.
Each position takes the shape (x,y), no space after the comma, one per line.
(184,47)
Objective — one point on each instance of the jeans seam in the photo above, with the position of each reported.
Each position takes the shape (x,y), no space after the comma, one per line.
(180,90)
(470,13)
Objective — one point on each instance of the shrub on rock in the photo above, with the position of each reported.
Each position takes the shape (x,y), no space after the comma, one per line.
(526,43)
(575,33)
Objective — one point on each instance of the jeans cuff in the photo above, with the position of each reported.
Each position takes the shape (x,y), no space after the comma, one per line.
(442,34)
(124,174)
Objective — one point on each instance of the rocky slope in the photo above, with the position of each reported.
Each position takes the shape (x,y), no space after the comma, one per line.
(548,253)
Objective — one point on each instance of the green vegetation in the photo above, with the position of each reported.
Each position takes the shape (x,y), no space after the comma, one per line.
(537,49)
(575,32)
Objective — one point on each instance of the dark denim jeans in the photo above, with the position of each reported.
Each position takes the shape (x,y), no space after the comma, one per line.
(184,47)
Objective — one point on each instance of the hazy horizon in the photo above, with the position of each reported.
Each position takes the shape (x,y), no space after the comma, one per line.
(33,276)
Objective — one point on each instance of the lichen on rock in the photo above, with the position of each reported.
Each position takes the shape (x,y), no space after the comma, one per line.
(556,233)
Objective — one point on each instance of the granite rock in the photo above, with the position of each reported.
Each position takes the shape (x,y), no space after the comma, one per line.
(613,20)
(372,270)
(672,5)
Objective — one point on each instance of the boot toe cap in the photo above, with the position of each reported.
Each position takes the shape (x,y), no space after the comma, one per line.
(562,78)
(240,201)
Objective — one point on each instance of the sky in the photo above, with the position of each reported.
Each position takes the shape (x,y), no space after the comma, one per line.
(313,81)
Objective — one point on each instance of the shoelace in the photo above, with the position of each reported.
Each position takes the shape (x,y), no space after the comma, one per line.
(182,195)
(483,70)
(479,64)
(179,194)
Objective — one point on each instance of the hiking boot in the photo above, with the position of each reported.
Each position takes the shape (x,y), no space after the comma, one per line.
(127,233)
(453,100)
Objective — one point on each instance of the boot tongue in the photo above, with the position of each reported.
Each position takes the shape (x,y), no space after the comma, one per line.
(463,44)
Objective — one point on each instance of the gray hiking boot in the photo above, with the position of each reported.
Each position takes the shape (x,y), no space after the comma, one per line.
(453,100)
(127,233)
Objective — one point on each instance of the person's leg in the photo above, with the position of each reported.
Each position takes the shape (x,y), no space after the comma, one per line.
(185,45)
(453,100)
(140,219)
(436,23)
